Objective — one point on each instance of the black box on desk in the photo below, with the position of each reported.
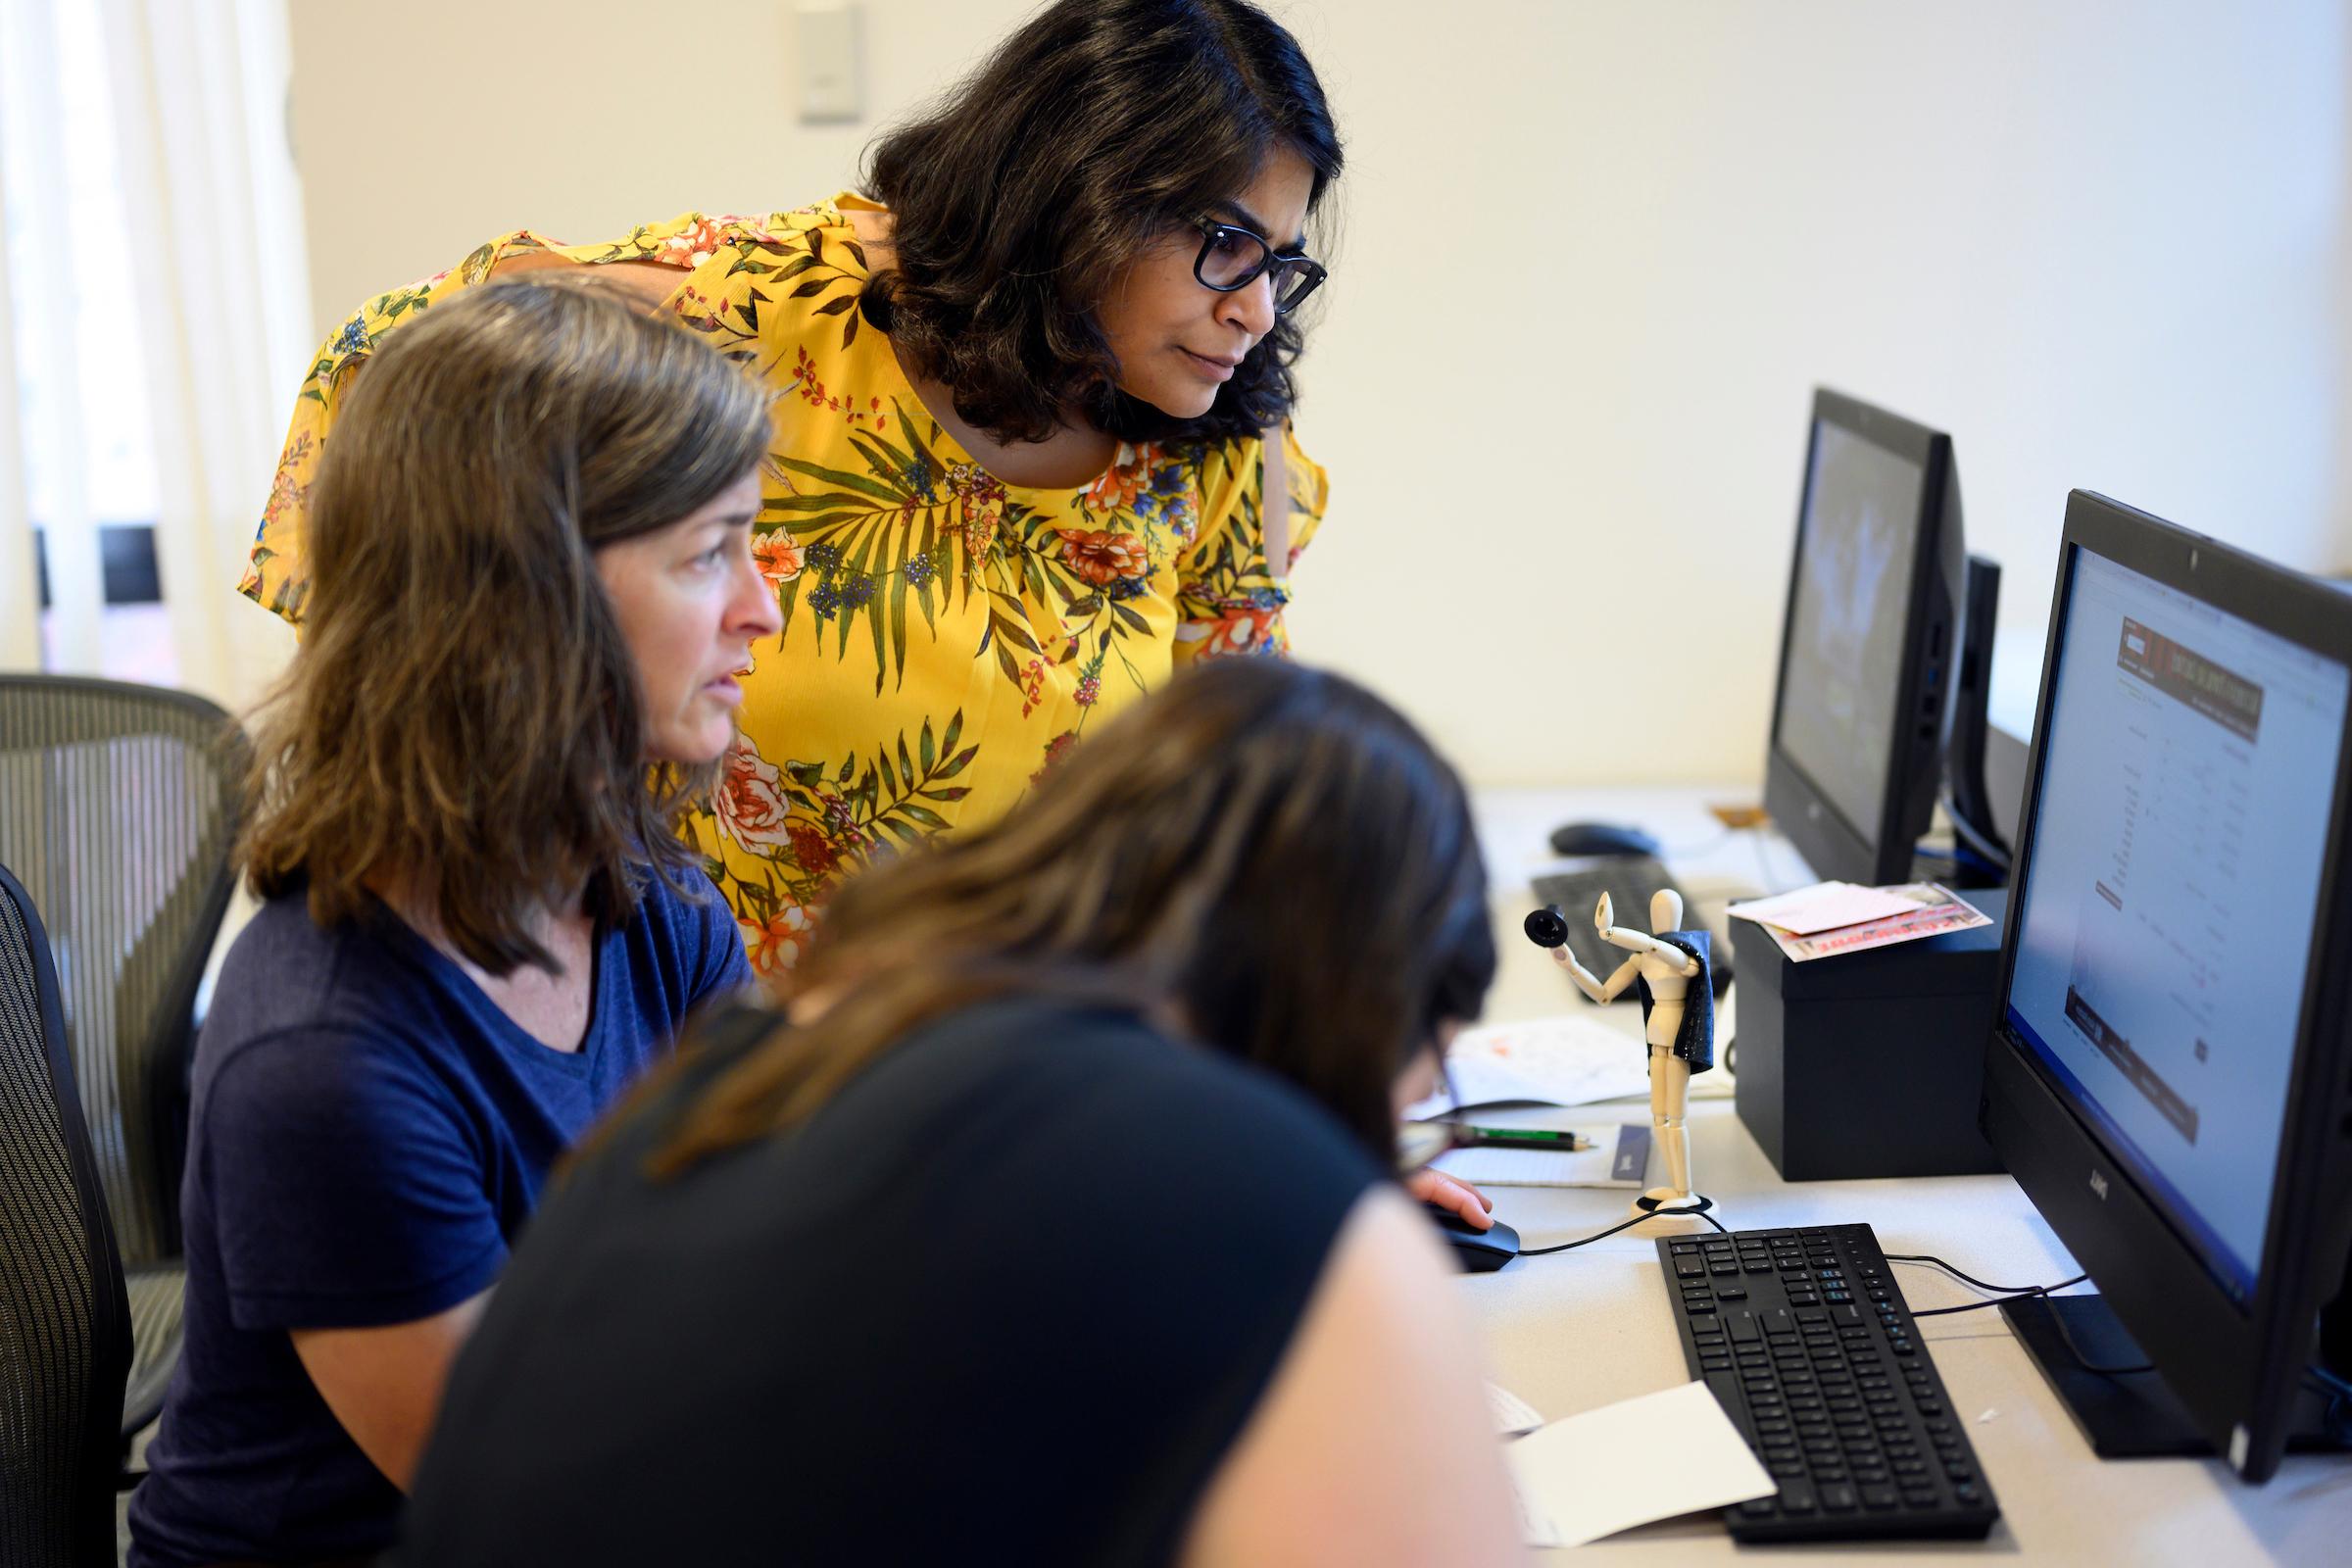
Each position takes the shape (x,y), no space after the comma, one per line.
(1867,1063)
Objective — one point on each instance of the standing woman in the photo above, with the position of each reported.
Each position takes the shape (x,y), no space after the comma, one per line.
(1034,449)
(533,580)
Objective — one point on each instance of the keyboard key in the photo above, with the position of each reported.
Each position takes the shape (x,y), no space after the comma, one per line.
(1877,1497)
(1838,1498)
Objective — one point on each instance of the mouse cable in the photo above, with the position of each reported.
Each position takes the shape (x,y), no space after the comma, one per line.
(1622,1225)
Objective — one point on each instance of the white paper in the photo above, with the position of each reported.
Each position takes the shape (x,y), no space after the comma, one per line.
(1619,1157)
(1822,907)
(1626,1464)
(1934,911)
(1513,1416)
(1565,1061)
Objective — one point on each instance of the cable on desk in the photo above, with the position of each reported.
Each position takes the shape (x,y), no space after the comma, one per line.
(1623,1225)
(1756,836)
(2027,1294)
(2337,1413)
(2019,1293)
(2330,1380)
(1959,855)
(1997,1301)
(1963,1274)
(1684,852)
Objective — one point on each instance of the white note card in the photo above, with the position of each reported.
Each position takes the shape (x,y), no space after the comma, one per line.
(1626,1464)
(1822,907)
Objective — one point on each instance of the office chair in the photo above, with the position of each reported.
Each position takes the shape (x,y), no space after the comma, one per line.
(117,808)
(65,1336)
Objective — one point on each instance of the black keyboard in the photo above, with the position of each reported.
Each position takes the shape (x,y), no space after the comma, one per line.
(1628,880)
(1805,1339)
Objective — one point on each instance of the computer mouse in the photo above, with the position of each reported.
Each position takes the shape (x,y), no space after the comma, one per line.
(1600,838)
(1477,1251)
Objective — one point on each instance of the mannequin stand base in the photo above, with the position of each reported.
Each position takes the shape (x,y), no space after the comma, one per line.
(1670,1212)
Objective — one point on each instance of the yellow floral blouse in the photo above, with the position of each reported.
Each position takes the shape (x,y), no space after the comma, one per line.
(945,636)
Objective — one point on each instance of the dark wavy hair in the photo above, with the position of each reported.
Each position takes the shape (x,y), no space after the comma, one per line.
(464,709)
(1264,858)
(1019,199)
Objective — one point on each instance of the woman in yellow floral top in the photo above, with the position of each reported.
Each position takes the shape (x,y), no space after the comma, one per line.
(1032,444)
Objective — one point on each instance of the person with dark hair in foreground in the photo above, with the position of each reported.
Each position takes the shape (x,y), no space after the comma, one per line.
(1034,451)
(533,579)
(1052,1220)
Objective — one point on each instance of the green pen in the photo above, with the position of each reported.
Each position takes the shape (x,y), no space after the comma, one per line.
(1527,1138)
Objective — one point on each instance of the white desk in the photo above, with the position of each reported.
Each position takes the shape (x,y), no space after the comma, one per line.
(1581,1329)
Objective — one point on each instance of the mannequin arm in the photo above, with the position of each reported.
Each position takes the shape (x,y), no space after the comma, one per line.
(1643,945)
(1598,989)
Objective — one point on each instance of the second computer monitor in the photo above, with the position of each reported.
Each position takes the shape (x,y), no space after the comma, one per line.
(2166,1077)
(1873,600)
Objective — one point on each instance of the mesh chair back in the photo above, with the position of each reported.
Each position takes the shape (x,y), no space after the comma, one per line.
(65,1337)
(117,808)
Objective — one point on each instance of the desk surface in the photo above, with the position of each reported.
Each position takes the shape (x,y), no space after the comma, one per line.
(1577,1330)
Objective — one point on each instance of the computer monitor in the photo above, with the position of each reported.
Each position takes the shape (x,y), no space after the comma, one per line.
(2169,1078)
(1875,598)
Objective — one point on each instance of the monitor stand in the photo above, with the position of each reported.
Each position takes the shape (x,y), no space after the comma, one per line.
(2131,1416)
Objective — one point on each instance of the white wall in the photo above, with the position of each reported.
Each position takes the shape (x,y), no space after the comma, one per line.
(1594,255)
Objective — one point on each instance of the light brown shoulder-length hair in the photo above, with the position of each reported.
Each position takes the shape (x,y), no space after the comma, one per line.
(464,712)
(1267,856)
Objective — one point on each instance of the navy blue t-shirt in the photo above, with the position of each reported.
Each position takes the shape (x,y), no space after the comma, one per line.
(368,1137)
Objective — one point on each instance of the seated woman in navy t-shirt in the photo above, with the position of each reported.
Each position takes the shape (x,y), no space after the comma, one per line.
(1058,1225)
(531,580)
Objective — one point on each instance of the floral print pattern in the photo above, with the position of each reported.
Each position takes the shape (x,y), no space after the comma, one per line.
(946,637)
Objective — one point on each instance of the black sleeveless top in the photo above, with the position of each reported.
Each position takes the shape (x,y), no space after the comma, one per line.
(1010,1296)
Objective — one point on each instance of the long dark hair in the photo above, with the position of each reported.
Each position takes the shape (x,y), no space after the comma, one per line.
(1267,858)
(1018,201)
(464,707)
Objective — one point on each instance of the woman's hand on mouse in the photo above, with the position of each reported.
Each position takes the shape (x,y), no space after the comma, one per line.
(1451,1193)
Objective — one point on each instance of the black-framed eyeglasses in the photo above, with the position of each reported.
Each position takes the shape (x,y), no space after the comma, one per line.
(1418,1143)
(1234,258)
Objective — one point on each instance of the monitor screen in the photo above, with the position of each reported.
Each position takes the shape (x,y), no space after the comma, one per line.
(1847,620)
(2166,923)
